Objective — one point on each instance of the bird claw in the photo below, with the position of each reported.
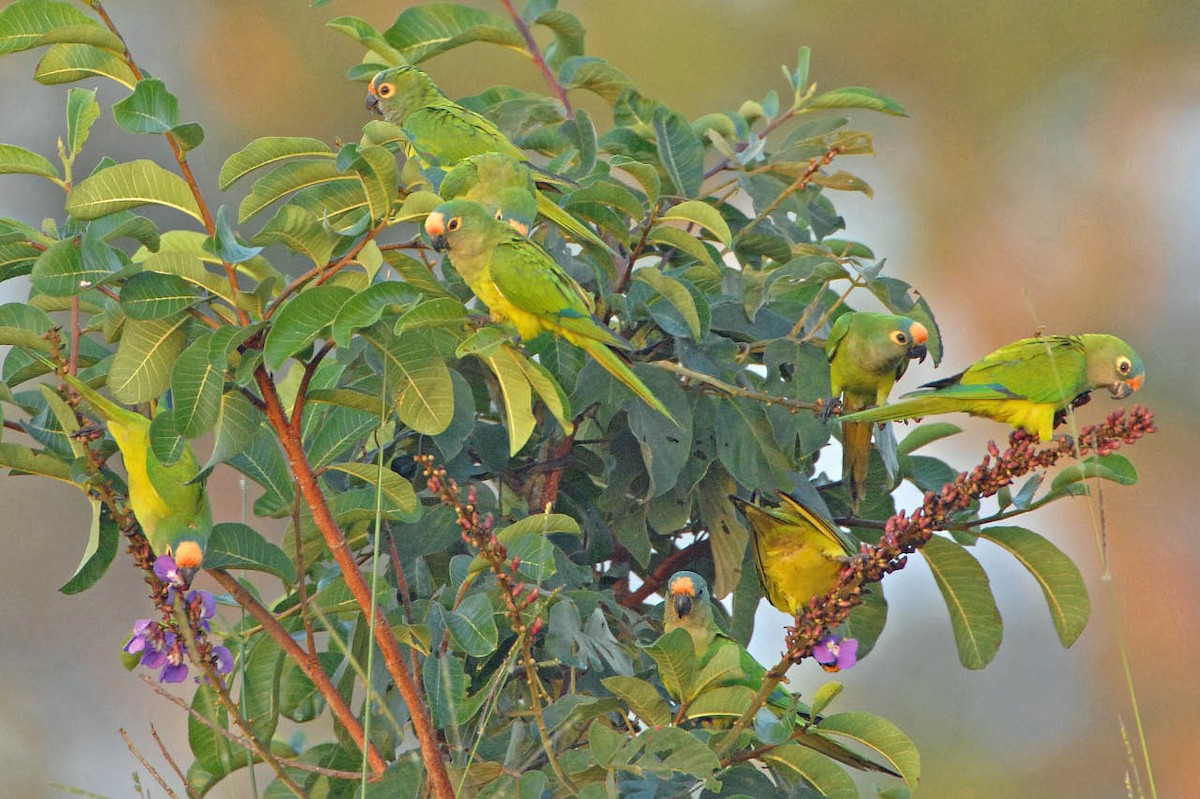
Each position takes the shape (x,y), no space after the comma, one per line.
(829,407)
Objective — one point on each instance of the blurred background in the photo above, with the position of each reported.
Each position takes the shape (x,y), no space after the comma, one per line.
(1048,178)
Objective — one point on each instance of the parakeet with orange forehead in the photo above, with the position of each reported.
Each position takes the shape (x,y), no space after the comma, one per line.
(174,513)
(522,284)
(868,353)
(441,132)
(688,606)
(1028,384)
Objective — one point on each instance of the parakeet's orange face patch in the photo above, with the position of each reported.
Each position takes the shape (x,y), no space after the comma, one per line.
(435,224)
(188,555)
(683,586)
(920,334)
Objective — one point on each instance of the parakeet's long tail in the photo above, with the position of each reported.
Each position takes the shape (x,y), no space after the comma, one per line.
(856,458)
(616,367)
(579,231)
(907,409)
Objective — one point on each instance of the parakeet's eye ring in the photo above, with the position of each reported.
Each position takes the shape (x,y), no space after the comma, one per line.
(1124,365)
(898,337)
(385,90)
(454,224)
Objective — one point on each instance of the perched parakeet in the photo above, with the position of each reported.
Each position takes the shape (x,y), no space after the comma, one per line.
(868,353)
(174,514)
(797,553)
(688,606)
(503,185)
(1029,384)
(522,284)
(442,132)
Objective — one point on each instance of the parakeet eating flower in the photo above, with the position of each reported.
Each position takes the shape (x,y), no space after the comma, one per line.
(868,353)
(1029,384)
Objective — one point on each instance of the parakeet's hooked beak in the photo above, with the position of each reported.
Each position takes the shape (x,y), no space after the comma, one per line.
(683,594)
(435,226)
(683,604)
(372,102)
(920,335)
(1123,388)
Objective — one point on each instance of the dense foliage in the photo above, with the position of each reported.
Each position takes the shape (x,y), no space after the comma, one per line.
(496,517)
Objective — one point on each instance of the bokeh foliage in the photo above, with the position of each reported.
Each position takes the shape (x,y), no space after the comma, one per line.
(317,289)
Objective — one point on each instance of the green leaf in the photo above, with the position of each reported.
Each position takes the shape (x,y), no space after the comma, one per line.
(1113,466)
(640,697)
(300,230)
(196,386)
(675,655)
(680,150)
(702,214)
(150,109)
(269,150)
(857,97)
(445,686)
(472,626)
(16,160)
(725,701)
(141,369)
(67,63)
(301,320)
(819,771)
(424,391)
(376,169)
(234,545)
(262,461)
(964,584)
(1056,574)
(32,23)
(676,294)
(293,177)
(130,185)
(260,686)
(156,295)
(517,393)
(680,240)
(189,135)
(336,432)
(237,423)
(596,75)
(746,444)
(925,434)
(23,325)
(365,34)
(424,31)
(25,461)
(211,749)
(366,307)
(98,555)
(60,271)
(397,491)
(879,734)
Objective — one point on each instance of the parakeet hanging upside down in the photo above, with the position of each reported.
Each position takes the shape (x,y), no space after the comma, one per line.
(797,553)
(1027,384)
(868,353)
(174,514)
(522,284)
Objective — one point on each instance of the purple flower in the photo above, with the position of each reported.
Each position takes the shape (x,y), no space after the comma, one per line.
(835,653)
(223,659)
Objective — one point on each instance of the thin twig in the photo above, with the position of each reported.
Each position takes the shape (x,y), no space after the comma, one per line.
(192,792)
(535,53)
(736,391)
(325,271)
(146,764)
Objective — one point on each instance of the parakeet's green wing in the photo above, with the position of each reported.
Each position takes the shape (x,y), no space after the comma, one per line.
(450,133)
(836,333)
(533,281)
(1023,369)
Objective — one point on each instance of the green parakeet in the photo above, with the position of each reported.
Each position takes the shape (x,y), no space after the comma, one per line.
(522,284)
(1029,384)
(442,132)
(174,514)
(503,185)
(868,353)
(688,606)
(797,553)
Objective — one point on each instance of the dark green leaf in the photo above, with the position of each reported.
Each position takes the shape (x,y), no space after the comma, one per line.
(156,295)
(301,320)
(98,555)
(968,594)
(680,150)
(150,109)
(234,545)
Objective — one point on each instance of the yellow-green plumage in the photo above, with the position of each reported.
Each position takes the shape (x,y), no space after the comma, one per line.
(173,513)
(797,553)
(868,353)
(688,606)
(441,132)
(522,284)
(1026,384)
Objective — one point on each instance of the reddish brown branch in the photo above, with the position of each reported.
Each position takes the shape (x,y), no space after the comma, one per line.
(389,646)
(535,53)
(661,573)
(325,271)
